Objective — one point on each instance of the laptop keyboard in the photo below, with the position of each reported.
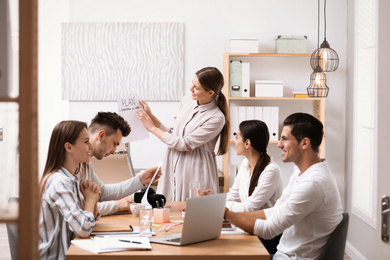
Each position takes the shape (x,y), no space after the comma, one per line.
(174,239)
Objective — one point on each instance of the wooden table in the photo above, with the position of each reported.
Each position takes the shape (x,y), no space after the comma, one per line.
(226,247)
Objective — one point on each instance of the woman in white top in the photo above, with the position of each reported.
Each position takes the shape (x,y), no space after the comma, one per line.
(258,184)
(67,208)
(203,118)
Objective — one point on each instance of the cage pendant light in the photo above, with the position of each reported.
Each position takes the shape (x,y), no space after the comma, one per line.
(318,87)
(324,56)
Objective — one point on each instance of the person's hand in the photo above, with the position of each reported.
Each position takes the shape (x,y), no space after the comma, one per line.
(92,186)
(146,107)
(224,214)
(146,120)
(124,204)
(90,190)
(204,193)
(147,175)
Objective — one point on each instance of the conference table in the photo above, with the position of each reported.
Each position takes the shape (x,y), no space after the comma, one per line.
(226,247)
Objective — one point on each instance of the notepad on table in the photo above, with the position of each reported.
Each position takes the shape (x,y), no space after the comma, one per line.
(112,244)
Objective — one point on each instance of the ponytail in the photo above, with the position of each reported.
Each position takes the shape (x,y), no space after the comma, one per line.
(224,139)
(263,161)
(257,132)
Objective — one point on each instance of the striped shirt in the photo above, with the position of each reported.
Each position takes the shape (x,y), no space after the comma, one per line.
(62,215)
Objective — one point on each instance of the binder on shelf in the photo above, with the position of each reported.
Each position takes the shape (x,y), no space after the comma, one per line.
(234,118)
(246,87)
(274,124)
(267,118)
(250,113)
(235,80)
(241,114)
(259,113)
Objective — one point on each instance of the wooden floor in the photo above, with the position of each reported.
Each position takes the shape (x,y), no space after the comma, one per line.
(4,247)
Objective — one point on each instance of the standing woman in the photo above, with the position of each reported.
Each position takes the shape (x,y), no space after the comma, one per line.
(66,208)
(258,184)
(202,118)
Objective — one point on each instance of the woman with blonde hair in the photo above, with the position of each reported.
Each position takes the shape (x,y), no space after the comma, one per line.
(203,117)
(67,208)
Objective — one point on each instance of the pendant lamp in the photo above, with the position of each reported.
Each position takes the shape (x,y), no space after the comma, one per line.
(318,87)
(324,56)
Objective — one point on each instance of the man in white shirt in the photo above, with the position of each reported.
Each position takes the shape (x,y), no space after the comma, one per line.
(106,131)
(310,206)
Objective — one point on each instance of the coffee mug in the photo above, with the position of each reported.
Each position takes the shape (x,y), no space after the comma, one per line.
(136,207)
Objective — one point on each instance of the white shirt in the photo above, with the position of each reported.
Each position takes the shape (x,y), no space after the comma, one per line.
(266,193)
(307,213)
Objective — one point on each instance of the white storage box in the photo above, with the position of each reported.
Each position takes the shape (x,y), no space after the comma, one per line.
(244,46)
(268,88)
(290,44)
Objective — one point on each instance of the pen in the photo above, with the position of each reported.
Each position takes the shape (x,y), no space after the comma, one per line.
(129,241)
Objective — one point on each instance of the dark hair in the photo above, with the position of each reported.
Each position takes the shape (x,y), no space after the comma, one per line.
(63,132)
(109,122)
(212,79)
(305,125)
(257,132)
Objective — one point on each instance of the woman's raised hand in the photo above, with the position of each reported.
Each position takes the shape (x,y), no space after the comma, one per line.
(145,119)
(146,107)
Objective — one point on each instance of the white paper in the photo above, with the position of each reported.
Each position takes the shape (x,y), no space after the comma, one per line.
(111,244)
(128,108)
(144,199)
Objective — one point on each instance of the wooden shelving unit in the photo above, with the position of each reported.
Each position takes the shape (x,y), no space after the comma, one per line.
(320,103)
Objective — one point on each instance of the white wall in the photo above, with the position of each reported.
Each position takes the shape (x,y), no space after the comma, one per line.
(208,27)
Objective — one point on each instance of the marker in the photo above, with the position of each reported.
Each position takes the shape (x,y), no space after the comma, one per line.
(129,241)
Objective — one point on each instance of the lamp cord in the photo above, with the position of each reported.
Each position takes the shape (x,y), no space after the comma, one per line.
(318,25)
(325,19)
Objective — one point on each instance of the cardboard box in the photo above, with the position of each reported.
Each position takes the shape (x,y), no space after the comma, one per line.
(290,44)
(269,88)
(244,46)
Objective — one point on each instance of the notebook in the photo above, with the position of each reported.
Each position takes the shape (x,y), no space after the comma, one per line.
(203,221)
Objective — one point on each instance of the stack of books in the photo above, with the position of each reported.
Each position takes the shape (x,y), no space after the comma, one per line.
(300,94)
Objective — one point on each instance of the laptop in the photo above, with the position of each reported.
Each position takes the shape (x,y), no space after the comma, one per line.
(202,222)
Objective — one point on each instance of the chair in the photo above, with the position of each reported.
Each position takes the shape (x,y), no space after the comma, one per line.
(12,232)
(335,246)
(114,168)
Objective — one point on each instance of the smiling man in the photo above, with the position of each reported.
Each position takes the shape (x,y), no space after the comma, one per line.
(106,131)
(310,206)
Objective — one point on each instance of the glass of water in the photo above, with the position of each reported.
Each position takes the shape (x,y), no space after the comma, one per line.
(145,222)
(194,189)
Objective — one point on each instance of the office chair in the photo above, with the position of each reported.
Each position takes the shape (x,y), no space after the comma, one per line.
(12,232)
(335,246)
(115,168)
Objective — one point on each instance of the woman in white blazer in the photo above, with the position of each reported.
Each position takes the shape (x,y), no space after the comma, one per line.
(258,184)
(201,119)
